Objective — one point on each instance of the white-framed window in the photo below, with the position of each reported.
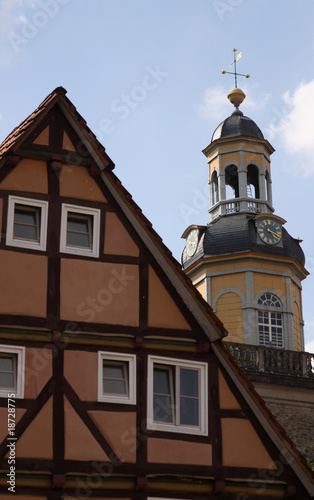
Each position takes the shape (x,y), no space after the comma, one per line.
(12,368)
(177,395)
(116,378)
(80,228)
(27,223)
(270,322)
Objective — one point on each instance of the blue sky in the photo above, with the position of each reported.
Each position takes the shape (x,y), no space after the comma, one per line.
(146,75)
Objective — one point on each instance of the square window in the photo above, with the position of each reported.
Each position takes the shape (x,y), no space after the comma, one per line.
(27,223)
(116,378)
(177,395)
(80,228)
(12,365)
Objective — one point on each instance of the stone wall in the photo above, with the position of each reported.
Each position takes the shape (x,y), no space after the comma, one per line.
(298,423)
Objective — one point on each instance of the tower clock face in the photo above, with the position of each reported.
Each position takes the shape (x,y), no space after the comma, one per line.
(269,231)
(192,242)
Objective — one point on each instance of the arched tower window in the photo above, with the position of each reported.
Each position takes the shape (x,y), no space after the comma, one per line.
(232,180)
(270,327)
(214,187)
(252,182)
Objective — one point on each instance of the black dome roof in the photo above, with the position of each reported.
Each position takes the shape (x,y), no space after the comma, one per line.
(237,233)
(236,125)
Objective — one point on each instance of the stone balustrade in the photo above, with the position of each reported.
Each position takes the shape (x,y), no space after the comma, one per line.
(272,360)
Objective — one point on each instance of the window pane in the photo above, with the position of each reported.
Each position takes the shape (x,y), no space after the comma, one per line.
(163,395)
(6,364)
(113,371)
(189,411)
(26,223)
(7,380)
(188,382)
(77,225)
(7,372)
(115,378)
(79,230)
(114,387)
(189,401)
(161,381)
(24,216)
(78,240)
(163,408)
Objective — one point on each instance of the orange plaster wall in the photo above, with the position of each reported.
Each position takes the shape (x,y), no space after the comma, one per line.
(214,164)
(170,451)
(119,430)
(67,143)
(85,387)
(222,265)
(219,283)
(227,400)
(263,281)
(252,157)
(38,370)
(201,288)
(28,175)
(230,158)
(80,444)
(162,310)
(241,445)
(75,182)
(229,310)
(241,145)
(117,239)
(23,280)
(19,412)
(99,292)
(295,292)
(36,440)
(43,138)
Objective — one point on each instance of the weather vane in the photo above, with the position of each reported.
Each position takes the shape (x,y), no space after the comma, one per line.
(234,63)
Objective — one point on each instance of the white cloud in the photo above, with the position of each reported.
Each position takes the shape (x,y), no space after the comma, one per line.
(9,19)
(309,346)
(257,103)
(215,103)
(293,124)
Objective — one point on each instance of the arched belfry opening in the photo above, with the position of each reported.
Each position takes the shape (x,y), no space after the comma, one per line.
(253,190)
(232,182)
(214,188)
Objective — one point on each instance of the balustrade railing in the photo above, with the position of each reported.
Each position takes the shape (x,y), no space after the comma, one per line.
(272,360)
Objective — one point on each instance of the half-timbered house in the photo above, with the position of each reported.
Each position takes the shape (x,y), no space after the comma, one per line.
(114,381)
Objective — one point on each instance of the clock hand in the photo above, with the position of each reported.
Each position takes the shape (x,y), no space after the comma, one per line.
(274,234)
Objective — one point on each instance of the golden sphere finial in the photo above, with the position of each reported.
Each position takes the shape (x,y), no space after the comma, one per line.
(236,96)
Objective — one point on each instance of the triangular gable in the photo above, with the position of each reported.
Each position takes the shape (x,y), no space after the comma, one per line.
(38,122)
(164,274)
(55,132)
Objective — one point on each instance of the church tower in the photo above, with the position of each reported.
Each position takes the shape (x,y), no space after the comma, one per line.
(244,262)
